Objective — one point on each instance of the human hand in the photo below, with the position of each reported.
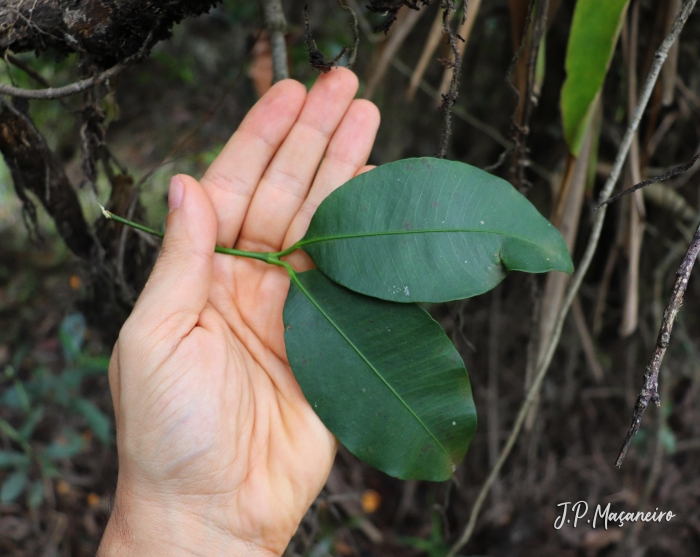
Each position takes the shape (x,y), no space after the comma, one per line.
(219,452)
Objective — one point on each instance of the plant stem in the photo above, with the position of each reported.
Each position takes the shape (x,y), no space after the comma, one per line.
(271,258)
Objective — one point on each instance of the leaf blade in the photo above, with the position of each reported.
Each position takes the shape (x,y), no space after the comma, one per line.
(429,230)
(363,365)
(13,486)
(594,31)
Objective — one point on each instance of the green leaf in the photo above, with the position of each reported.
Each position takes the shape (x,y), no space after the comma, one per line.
(430,230)
(13,486)
(98,422)
(10,459)
(383,377)
(594,32)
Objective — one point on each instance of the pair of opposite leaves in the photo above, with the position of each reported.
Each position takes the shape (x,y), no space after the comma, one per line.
(382,375)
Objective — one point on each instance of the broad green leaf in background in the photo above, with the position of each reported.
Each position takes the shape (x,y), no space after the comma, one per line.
(430,230)
(10,459)
(383,377)
(594,32)
(13,486)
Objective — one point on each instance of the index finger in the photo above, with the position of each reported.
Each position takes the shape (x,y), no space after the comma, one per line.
(233,177)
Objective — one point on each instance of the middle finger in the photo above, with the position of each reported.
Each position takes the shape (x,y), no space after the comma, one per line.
(287,180)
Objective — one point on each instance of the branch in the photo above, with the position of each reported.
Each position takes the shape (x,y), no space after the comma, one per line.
(35,168)
(521,130)
(450,98)
(650,389)
(277,28)
(548,353)
(670,174)
(78,86)
(65,91)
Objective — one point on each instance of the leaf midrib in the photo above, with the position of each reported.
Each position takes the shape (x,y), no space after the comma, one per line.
(359,353)
(301,243)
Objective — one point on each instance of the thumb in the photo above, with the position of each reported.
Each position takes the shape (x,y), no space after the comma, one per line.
(178,288)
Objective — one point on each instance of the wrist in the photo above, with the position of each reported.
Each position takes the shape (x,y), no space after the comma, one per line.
(144,528)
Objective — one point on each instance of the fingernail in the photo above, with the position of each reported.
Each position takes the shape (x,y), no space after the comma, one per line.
(175,193)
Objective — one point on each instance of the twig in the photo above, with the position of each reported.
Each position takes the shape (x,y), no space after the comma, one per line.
(450,98)
(79,86)
(651,375)
(463,32)
(670,174)
(277,28)
(352,53)
(576,280)
(521,130)
(65,91)
(316,58)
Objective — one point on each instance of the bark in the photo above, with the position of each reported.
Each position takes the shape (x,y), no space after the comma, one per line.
(35,168)
(105,32)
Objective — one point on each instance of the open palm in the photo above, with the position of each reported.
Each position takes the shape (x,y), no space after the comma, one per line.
(212,429)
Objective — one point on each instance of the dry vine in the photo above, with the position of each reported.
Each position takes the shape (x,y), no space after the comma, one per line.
(665,176)
(450,98)
(650,390)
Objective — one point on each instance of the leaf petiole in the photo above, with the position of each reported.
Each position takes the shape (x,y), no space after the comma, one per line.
(267,257)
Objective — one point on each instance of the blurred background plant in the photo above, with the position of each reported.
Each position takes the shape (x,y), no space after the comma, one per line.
(46,393)
(62,301)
